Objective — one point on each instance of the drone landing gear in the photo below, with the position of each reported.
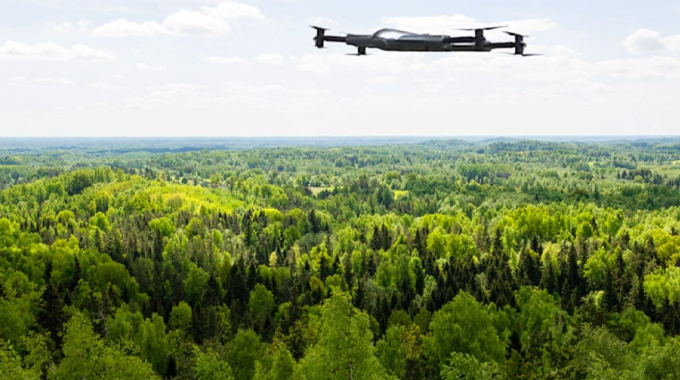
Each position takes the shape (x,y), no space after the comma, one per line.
(361,50)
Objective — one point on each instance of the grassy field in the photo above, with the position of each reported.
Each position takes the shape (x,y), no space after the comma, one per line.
(400,193)
(316,190)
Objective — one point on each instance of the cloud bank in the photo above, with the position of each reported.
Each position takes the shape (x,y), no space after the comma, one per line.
(645,41)
(206,22)
(49,51)
(446,24)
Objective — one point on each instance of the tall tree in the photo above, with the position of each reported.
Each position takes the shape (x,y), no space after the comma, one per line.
(345,346)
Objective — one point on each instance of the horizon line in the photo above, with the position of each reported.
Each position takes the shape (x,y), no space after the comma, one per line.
(343,136)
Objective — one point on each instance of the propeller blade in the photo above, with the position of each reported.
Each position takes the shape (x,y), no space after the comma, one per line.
(318,28)
(515,34)
(486,28)
(523,55)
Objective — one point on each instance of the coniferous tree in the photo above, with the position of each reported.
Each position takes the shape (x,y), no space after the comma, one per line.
(52,315)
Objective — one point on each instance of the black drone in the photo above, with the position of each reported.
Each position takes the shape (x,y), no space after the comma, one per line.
(398,40)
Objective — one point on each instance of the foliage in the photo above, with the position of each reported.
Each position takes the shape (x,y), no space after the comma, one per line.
(439,260)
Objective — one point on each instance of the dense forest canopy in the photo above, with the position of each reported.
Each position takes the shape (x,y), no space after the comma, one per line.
(434,260)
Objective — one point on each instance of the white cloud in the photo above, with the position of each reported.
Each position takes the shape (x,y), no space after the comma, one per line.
(63,27)
(383,63)
(560,51)
(225,60)
(125,28)
(650,41)
(232,10)
(54,81)
(150,68)
(270,59)
(641,68)
(106,86)
(644,41)
(430,24)
(672,42)
(84,24)
(185,94)
(242,91)
(560,64)
(49,51)
(245,88)
(39,83)
(231,94)
(529,26)
(186,23)
(322,21)
(381,80)
(448,24)
(67,27)
(314,63)
(208,22)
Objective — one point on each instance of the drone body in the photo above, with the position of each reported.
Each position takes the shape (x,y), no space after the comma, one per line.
(397,40)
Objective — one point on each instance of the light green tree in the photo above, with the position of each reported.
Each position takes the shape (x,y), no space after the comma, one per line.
(465,326)
(261,305)
(180,317)
(466,367)
(11,366)
(244,351)
(209,366)
(280,365)
(344,350)
(86,357)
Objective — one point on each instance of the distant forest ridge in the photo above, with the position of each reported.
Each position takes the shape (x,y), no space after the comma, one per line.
(190,144)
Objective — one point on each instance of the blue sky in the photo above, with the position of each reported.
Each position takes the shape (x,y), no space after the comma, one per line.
(249,68)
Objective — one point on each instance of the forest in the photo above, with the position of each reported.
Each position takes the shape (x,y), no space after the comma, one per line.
(497,259)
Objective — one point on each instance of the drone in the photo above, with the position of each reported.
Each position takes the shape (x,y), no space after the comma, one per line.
(399,40)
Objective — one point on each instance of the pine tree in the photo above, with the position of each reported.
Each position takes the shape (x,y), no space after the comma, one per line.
(52,315)
(348,271)
(376,241)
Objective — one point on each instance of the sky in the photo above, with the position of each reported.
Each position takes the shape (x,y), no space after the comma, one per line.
(100,68)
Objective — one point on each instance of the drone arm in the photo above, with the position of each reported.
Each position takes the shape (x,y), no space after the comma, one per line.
(503,45)
(459,40)
(321,37)
(335,39)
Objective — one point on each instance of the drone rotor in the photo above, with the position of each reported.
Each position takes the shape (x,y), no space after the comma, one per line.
(483,29)
(320,37)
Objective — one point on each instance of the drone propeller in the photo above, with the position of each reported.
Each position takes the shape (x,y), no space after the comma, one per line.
(320,37)
(486,28)
(524,55)
(515,34)
(520,45)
